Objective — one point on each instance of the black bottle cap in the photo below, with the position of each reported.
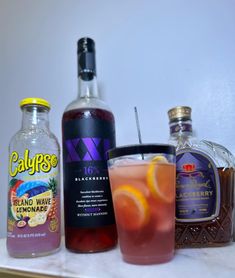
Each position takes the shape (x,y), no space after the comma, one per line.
(86,58)
(86,45)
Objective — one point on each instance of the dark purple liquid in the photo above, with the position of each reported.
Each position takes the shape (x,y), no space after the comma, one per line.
(88,239)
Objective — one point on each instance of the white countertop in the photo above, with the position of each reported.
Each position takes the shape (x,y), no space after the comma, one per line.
(206,263)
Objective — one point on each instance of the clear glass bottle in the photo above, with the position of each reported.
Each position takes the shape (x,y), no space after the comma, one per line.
(34,184)
(88,131)
(204,186)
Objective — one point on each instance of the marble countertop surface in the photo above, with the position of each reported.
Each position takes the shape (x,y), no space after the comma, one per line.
(206,263)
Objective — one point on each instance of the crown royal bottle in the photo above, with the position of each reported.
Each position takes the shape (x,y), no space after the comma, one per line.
(204,186)
(88,133)
(33,224)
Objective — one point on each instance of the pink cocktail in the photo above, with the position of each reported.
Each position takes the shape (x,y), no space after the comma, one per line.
(143,191)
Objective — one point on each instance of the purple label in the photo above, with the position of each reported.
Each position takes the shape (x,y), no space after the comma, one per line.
(197,187)
(87,194)
(180,127)
(86,149)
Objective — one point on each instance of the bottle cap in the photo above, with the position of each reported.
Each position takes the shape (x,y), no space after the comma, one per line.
(86,58)
(86,45)
(35,101)
(179,112)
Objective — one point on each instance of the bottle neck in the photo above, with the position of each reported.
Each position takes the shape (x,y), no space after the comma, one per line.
(181,128)
(35,117)
(87,88)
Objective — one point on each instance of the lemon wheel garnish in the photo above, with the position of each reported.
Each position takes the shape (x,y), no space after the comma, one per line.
(159,158)
(159,179)
(131,207)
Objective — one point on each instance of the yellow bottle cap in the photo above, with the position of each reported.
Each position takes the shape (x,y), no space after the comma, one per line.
(36,101)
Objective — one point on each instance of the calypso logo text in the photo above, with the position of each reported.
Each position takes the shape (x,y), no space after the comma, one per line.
(38,163)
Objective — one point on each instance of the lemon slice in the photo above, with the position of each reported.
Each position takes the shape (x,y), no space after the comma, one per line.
(160,179)
(131,207)
(32,222)
(159,158)
(41,218)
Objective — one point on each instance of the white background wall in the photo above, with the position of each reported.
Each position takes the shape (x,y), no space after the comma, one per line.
(153,54)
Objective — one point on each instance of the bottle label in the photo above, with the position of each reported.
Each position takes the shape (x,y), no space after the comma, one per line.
(87,193)
(33,195)
(197,187)
(180,126)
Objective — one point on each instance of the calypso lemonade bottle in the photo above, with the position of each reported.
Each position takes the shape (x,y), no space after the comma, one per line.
(33,224)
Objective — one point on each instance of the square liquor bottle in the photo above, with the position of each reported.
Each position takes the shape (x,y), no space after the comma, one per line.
(204,186)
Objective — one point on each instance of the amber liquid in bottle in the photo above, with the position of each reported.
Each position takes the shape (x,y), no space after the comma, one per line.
(79,239)
(216,232)
(204,186)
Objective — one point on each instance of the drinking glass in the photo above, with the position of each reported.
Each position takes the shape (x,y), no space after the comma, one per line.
(142,179)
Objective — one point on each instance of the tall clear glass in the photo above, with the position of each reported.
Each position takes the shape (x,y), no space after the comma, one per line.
(143,189)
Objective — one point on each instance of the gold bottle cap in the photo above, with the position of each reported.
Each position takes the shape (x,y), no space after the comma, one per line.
(179,112)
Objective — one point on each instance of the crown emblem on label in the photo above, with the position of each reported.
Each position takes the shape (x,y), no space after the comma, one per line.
(189,167)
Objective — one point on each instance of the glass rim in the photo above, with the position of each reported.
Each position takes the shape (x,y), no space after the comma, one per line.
(141,149)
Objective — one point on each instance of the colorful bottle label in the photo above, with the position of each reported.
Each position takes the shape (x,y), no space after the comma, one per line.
(33,196)
(197,187)
(87,193)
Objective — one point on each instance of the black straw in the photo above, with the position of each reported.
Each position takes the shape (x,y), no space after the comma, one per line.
(138,127)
